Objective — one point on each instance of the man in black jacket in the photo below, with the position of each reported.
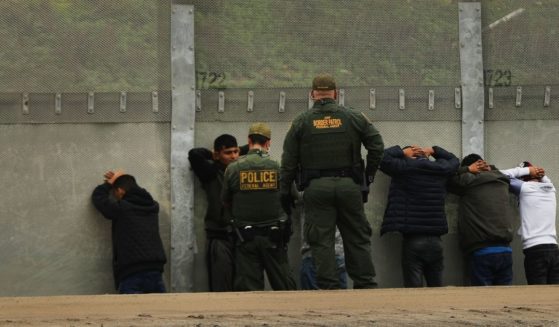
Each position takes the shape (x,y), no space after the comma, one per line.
(485,220)
(138,255)
(209,167)
(416,208)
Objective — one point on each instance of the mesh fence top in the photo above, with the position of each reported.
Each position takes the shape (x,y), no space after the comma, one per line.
(84,45)
(520,42)
(272,44)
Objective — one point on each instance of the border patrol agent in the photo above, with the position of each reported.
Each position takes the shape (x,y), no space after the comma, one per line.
(324,146)
(251,191)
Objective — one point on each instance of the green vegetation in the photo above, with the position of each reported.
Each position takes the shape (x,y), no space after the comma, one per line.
(103,45)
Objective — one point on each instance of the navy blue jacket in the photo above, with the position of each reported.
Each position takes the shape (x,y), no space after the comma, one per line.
(416,199)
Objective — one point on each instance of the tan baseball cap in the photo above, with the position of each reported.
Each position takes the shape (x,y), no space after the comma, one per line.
(260,129)
(323,82)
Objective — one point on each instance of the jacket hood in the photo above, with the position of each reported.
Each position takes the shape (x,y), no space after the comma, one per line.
(141,199)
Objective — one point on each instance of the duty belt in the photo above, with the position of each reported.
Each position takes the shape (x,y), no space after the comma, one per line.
(340,172)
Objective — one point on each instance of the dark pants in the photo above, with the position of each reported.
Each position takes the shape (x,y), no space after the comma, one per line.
(332,202)
(541,264)
(220,263)
(142,282)
(422,257)
(308,273)
(259,255)
(491,269)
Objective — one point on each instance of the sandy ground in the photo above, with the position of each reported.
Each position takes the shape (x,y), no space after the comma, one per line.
(473,306)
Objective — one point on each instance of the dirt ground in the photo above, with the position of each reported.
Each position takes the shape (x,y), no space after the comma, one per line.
(473,306)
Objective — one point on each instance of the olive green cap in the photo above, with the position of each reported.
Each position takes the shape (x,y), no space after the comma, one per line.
(260,129)
(323,82)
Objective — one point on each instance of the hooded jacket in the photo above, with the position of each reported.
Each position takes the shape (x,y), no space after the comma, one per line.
(416,199)
(136,241)
(484,215)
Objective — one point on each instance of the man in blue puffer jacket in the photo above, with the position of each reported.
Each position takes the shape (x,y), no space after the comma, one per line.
(416,208)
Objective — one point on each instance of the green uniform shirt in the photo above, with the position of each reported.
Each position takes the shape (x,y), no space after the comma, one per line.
(335,127)
(251,188)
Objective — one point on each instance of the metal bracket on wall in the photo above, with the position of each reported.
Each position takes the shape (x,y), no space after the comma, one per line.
(402,99)
(281,102)
(221,101)
(58,103)
(341,97)
(90,102)
(547,96)
(25,103)
(154,101)
(431,100)
(490,98)
(372,99)
(518,96)
(198,100)
(250,101)
(457,98)
(122,101)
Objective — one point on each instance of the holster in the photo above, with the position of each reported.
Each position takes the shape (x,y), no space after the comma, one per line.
(304,177)
(279,232)
(362,181)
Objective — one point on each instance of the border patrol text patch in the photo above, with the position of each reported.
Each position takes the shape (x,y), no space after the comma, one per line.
(327,122)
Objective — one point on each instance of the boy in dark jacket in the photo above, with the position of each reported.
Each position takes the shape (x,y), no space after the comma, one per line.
(209,167)
(138,255)
(416,208)
(485,220)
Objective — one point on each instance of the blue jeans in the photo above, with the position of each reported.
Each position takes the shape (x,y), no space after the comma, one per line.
(422,257)
(491,269)
(142,282)
(308,273)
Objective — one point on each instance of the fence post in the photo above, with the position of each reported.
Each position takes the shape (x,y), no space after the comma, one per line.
(471,77)
(183,237)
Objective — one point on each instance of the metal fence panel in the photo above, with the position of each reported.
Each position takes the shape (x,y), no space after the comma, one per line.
(84,45)
(53,240)
(520,42)
(270,44)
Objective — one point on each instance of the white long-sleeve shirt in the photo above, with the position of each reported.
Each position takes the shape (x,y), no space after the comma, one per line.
(537,205)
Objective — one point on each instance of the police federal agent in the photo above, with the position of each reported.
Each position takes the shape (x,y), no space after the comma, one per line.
(251,192)
(323,147)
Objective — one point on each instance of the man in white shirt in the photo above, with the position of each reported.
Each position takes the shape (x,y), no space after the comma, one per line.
(537,205)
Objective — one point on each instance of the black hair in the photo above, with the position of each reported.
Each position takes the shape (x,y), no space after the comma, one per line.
(406,147)
(225,141)
(470,159)
(258,139)
(125,182)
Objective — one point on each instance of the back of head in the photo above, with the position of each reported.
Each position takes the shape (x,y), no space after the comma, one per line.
(323,82)
(525,164)
(259,133)
(225,141)
(125,182)
(470,159)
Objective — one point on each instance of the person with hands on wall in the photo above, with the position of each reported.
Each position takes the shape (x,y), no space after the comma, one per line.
(416,208)
(210,167)
(485,220)
(138,255)
(537,205)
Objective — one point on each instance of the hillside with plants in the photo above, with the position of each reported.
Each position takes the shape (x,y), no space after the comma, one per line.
(102,45)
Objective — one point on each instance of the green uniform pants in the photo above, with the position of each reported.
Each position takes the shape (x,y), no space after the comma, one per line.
(331,202)
(253,257)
